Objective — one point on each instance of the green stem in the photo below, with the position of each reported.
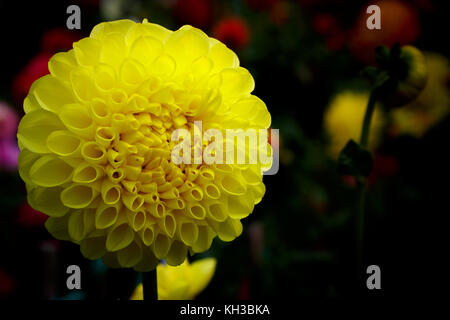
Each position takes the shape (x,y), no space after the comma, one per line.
(367,118)
(362,185)
(150,290)
(359,223)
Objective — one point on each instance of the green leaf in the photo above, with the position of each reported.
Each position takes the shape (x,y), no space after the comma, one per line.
(371,73)
(355,160)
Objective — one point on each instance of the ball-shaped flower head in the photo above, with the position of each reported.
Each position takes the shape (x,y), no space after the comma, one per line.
(96,144)
(343,121)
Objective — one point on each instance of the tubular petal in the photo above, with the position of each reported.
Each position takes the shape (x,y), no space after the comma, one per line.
(34,129)
(47,200)
(77,119)
(188,232)
(106,216)
(129,256)
(176,254)
(52,93)
(161,246)
(76,225)
(61,64)
(57,227)
(93,248)
(64,143)
(50,171)
(87,173)
(148,235)
(77,196)
(119,237)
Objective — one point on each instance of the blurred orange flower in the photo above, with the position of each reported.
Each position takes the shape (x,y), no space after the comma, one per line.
(399,23)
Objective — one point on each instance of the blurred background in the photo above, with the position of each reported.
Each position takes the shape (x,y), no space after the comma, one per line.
(306,57)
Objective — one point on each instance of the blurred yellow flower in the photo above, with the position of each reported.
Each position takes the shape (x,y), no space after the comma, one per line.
(343,121)
(183,282)
(96,144)
(432,104)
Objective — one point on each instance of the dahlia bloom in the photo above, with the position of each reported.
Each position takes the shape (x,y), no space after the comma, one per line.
(96,144)
(343,121)
(183,282)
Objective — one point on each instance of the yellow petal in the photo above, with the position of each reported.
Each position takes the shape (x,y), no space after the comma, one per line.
(87,51)
(47,200)
(34,129)
(236,83)
(61,64)
(64,143)
(119,237)
(146,49)
(49,171)
(129,256)
(201,273)
(52,93)
(57,227)
(118,26)
(78,196)
(138,293)
(114,49)
(222,57)
(186,45)
(93,248)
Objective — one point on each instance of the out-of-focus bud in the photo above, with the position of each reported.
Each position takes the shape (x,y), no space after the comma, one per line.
(406,72)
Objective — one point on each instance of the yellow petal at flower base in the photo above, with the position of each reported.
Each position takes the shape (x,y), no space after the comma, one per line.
(343,121)
(183,282)
(96,144)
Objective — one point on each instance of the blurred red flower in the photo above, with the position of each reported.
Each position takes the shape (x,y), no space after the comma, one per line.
(9,151)
(328,26)
(383,166)
(279,13)
(197,13)
(36,68)
(58,40)
(399,23)
(52,41)
(233,32)
(336,41)
(324,23)
(7,283)
(30,218)
(244,289)
(8,121)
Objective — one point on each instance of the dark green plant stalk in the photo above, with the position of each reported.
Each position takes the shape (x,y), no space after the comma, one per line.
(150,288)
(361,181)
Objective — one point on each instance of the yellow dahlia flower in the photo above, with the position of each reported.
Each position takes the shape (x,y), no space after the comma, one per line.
(343,121)
(183,282)
(432,104)
(96,144)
